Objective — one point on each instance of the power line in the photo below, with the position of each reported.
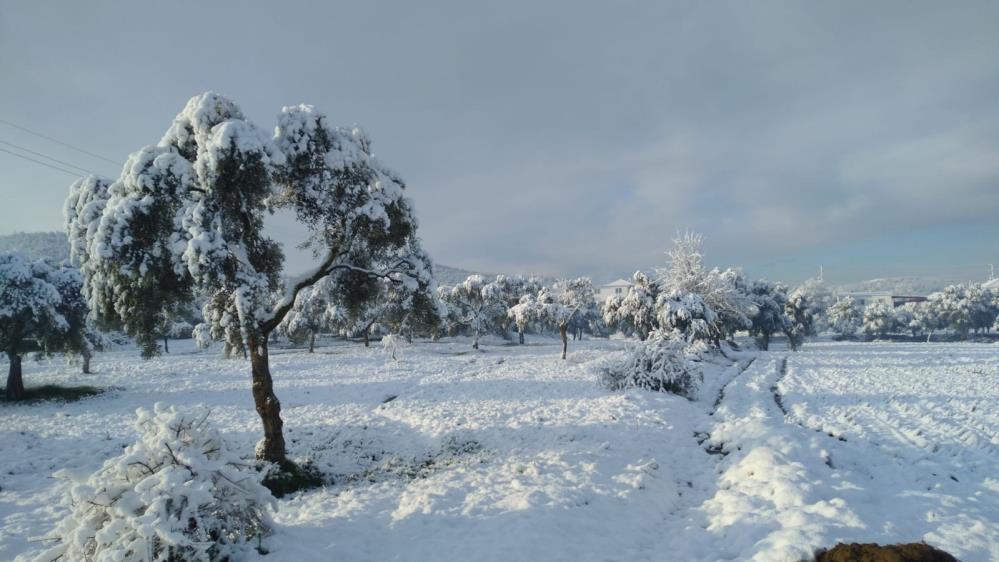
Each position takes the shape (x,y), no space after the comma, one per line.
(57,141)
(46,164)
(29,151)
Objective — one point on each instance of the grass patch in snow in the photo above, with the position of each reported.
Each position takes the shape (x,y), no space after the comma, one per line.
(55,392)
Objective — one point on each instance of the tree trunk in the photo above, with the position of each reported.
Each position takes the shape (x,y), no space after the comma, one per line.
(765,338)
(15,384)
(520,335)
(475,340)
(562,331)
(312,342)
(86,361)
(166,345)
(268,407)
(367,340)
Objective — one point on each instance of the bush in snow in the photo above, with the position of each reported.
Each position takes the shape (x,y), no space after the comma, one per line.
(879,319)
(845,317)
(392,343)
(175,494)
(663,362)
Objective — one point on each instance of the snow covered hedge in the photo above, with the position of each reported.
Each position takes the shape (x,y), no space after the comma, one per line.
(177,493)
(664,362)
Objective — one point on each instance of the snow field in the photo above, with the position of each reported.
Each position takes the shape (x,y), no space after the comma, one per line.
(513,454)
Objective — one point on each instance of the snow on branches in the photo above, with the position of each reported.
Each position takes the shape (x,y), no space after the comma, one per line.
(177,493)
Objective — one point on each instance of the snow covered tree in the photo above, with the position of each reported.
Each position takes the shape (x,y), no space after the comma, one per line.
(731,307)
(475,304)
(637,310)
(687,316)
(879,319)
(800,321)
(308,316)
(845,317)
(523,314)
(770,318)
(561,302)
(177,493)
(610,313)
(41,310)
(982,307)
(819,299)
(510,289)
(953,309)
(82,212)
(188,213)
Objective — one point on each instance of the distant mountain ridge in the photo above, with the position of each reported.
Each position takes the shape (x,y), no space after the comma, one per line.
(900,285)
(37,245)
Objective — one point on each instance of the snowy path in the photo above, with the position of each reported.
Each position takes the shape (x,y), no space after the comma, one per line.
(512,454)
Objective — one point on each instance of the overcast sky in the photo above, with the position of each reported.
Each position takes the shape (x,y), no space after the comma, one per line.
(566,137)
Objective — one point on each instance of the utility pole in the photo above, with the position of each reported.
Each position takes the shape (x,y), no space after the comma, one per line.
(821,275)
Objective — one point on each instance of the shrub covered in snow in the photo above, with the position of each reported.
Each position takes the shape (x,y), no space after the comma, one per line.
(177,493)
(663,362)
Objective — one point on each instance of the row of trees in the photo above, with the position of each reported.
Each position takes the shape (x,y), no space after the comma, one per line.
(699,304)
(960,309)
(478,306)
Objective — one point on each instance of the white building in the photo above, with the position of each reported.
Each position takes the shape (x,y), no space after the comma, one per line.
(619,287)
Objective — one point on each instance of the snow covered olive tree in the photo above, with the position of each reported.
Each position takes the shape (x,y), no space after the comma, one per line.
(636,312)
(561,302)
(845,317)
(187,214)
(475,304)
(41,310)
(770,318)
(800,322)
(879,319)
(523,314)
(720,290)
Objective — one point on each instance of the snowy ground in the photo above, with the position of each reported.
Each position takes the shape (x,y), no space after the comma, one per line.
(511,454)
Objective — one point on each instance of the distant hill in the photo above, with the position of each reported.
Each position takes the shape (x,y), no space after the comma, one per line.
(37,245)
(900,285)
